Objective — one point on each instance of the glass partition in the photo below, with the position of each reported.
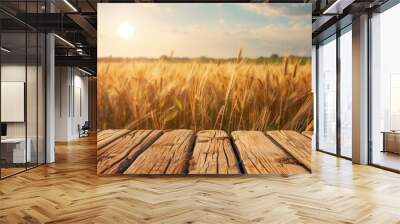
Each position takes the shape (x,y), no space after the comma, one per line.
(14,151)
(327,95)
(22,77)
(32,95)
(41,109)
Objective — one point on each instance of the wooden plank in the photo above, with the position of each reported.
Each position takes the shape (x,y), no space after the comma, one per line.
(168,155)
(308,134)
(123,151)
(101,135)
(107,136)
(213,154)
(296,144)
(259,155)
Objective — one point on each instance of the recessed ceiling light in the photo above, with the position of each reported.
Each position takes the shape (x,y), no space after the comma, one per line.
(70,5)
(5,50)
(337,7)
(64,40)
(84,71)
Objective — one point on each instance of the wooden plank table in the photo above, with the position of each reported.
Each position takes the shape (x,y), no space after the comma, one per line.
(213,154)
(168,155)
(107,136)
(183,152)
(308,134)
(122,152)
(296,144)
(260,155)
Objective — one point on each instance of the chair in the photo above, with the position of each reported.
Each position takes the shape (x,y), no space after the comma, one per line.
(84,130)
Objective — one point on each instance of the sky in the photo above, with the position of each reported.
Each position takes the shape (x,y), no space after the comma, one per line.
(217,30)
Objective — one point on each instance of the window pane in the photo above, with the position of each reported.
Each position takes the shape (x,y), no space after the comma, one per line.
(346,94)
(327,96)
(385,114)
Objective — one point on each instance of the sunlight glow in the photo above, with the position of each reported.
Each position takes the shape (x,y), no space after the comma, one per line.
(125,31)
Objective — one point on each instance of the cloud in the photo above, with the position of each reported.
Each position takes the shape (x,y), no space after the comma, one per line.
(150,6)
(284,33)
(268,39)
(270,9)
(155,8)
(220,36)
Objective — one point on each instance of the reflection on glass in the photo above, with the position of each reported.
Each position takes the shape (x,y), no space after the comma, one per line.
(22,92)
(327,96)
(346,94)
(15,151)
(385,84)
(41,99)
(31,101)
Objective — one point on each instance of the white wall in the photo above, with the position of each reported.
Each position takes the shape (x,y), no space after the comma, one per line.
(70,83)
(16,73)
(81,94)
(33,127)
(61,103)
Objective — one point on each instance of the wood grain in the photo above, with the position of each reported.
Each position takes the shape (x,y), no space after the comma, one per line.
(296,144)
(308,134)
(259,155)
(120,154)
(105,137)
(170,154)
(213,154)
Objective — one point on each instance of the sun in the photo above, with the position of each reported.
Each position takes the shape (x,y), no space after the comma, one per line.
(125,31)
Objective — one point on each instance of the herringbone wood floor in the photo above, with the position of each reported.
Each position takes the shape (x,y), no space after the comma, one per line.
(69,191)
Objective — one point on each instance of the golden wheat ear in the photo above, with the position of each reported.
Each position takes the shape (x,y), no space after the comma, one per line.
(239,57)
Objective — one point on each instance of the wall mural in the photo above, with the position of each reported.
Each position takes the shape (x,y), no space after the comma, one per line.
(204,88)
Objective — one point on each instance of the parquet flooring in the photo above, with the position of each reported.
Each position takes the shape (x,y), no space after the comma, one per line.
(69,191)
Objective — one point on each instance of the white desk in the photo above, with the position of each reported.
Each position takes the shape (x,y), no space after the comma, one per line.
(17,145)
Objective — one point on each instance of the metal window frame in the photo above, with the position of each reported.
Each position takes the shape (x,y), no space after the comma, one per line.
(386,6)
(339,32)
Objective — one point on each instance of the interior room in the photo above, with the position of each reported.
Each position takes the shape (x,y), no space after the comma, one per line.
(69,130)
(22,102)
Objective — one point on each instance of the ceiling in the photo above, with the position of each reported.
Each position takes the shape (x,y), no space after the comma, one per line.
(75,22)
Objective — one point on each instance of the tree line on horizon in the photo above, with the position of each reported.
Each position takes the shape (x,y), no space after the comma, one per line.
(274,58)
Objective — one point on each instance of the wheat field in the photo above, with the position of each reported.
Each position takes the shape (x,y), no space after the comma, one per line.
(233,95)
